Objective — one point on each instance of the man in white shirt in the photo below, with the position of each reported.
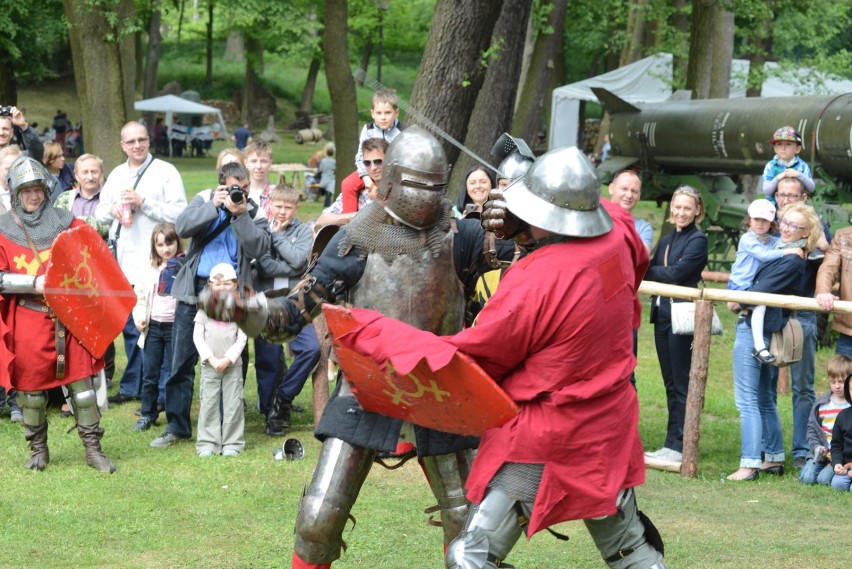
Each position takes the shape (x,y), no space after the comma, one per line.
(153,190)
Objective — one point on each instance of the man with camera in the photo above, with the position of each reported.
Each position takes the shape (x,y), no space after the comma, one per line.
(225,227)
(15,130)
(139,193)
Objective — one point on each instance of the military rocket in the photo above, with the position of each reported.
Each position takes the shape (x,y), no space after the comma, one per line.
(729,135)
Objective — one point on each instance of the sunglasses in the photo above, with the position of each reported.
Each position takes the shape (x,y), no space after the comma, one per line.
(377,162)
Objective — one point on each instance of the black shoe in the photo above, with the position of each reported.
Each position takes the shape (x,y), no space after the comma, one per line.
(763,356)
(120,398)
(297,409)
(777,470)
(144,423)
(275,429)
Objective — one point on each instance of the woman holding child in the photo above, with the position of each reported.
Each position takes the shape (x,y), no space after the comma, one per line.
(754,392)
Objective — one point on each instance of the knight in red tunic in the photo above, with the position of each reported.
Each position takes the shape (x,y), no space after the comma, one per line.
(37,352)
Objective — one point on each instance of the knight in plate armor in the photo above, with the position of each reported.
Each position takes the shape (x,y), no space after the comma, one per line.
(399,256)
(44,354)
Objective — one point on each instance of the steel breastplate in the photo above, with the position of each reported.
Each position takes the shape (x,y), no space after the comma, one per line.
(423,291)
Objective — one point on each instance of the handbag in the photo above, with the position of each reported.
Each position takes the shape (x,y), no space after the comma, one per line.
(787,343)
(683,320)
(683,314)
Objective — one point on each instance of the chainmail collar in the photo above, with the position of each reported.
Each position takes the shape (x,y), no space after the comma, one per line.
(371,232)
(42,225)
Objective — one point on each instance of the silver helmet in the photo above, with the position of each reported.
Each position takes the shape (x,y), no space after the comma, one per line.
(414,178)
(24,173)
(560,193)
(516,157)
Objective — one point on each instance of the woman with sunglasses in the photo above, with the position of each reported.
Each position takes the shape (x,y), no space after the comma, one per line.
(754,391)
(680,257)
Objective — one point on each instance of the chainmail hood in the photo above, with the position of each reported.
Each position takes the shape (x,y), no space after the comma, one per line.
(43,225)
(370,232)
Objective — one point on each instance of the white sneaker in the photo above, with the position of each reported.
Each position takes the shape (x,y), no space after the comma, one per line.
(230,452)
(654,454)
(205,453)
(666,459)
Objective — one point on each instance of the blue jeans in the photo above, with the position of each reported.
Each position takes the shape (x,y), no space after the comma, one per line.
(306,350)
(816,472)
(844,346)
(802,384)
(180,384)
(754,394)
(268,363)
(131,381)
(841,482)
(158,350)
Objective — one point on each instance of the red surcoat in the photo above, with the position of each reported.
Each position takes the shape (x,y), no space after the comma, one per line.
(558,338)
(29,340)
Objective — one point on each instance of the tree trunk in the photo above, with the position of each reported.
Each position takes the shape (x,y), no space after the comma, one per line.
(723,52)
(700,49)
(632,50)
(252,47)
(365,62)
(8,84)
(152,60)
(99,78)
(535,93)
(180,19)
(208,78)
(451,73)
(761,42)
(495,105)
(526,59)
(307,104)
(341,85)
(680,22)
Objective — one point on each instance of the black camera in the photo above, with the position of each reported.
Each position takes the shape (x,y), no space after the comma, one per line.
(236,193)
(6,111)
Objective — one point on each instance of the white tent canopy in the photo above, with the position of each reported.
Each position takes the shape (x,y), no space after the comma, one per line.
(649,81)
(171,104)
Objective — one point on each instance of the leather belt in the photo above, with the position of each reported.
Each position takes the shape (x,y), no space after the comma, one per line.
(59,332)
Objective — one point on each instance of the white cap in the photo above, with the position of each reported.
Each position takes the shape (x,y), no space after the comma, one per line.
(762,209)
(226,272)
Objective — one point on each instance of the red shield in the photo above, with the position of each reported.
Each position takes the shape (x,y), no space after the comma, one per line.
(86,288)
(458,398)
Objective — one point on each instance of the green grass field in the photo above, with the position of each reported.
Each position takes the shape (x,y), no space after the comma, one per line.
(168,508)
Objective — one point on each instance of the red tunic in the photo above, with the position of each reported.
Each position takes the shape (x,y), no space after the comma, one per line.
(31,340)
(558,338)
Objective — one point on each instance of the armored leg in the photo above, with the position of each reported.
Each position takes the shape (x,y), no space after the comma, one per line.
(88,416)
(447,474)
(627,539)
(492,529)
(337,480)
(35,428)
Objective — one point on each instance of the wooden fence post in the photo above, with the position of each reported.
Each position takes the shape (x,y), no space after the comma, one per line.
(697,387)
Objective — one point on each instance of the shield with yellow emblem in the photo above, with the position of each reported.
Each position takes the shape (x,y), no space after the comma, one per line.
(86,289)
(457,397)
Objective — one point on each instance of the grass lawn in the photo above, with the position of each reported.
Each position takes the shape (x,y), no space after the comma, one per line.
(168,508)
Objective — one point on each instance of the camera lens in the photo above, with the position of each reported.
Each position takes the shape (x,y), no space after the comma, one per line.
(236,194)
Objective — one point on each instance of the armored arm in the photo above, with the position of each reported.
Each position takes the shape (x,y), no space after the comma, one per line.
(15,283)
(276,319)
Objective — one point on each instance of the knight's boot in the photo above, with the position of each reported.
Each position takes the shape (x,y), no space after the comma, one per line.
(37,438)
(35,428)
(91,436)
(88,417)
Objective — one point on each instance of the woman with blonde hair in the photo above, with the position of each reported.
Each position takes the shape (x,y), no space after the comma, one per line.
(762,445)
(680,257)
